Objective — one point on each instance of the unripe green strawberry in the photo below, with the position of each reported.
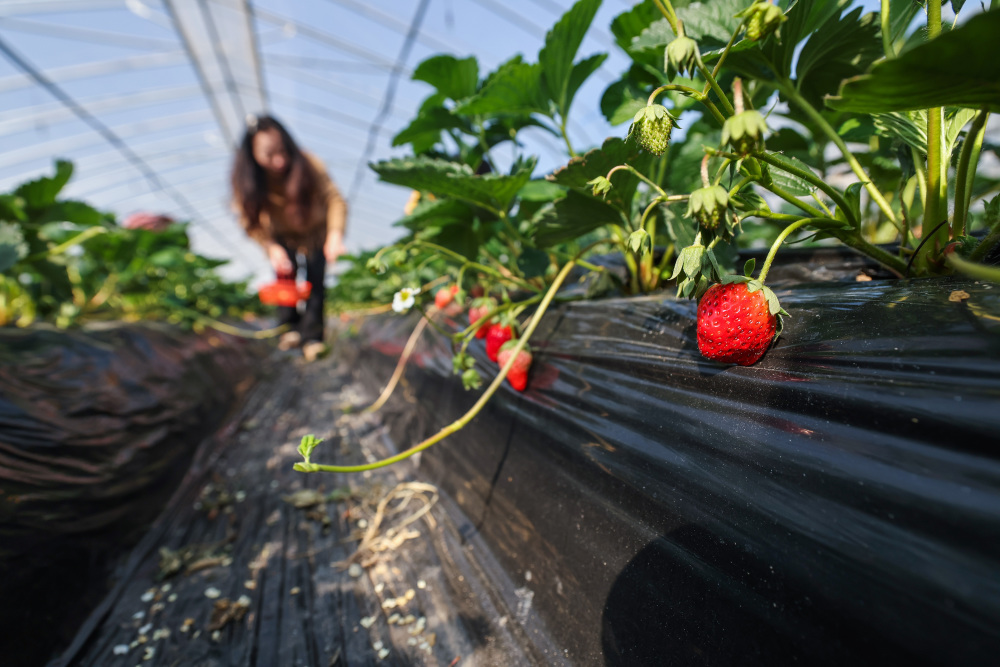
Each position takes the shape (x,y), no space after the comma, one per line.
(518,373)
(762,19)
(743,131)
(653,124)
(709,206)
(737,325)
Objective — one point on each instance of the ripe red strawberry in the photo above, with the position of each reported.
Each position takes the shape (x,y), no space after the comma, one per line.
(480,308)
(496,336)
(445,296)
(518,374)
(736,325)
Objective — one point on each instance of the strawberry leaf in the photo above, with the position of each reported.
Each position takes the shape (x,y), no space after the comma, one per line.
(307,445)
(749,266)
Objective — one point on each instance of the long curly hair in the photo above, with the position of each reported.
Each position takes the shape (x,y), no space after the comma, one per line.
(249,180)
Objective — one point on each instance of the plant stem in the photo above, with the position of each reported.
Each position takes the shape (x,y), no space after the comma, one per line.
(476,265)
(411,344)
(725,52)
(886,36)
(66,245)
(781,238)
(565,136)
(663,193)
(792,199)
(813,179)
(935,156)
(715,86)
(771,215)
(667,10)
(474,410)
(691,92)
(966,171)
(739,186)
(786,87)
(822,205)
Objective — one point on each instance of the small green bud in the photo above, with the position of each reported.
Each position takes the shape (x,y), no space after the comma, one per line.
(600,185)
(471,379)
(682,57)
(743,131)
(639,242)
(376,266)
(307,445)
(762,19)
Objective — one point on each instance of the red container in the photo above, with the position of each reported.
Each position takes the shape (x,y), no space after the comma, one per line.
(284,292)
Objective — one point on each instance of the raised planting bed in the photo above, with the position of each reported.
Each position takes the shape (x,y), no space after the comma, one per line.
(97,428)
(836,503)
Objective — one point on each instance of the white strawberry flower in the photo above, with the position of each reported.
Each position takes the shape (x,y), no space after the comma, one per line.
(403,300)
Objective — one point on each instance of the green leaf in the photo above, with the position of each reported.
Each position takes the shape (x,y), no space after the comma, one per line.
(533,262)
(853,196)
(424,131)
(901,14)
(787,181)
(628,26)
(439,213)
(571,217)
(579,171)
(76,212)
(685,158)
(12,208)
(516,87)
(843,47)
(463,239)
(42,192)
(12,246)
(751,200)
(804,18)
(749,267)
(442,178)
(680,229)
(561,44)
(307,445)
(621,101)
(910,127)
(581,72)
(541,190)
(958,68)
(453,78)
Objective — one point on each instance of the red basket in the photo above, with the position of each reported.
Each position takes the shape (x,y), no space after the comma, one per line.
(283,292)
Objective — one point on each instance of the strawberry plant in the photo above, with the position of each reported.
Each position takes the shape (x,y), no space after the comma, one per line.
(768,122)
(64,262)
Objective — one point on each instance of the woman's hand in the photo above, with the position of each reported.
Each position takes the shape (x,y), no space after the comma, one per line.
(280,260)
(334,248)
